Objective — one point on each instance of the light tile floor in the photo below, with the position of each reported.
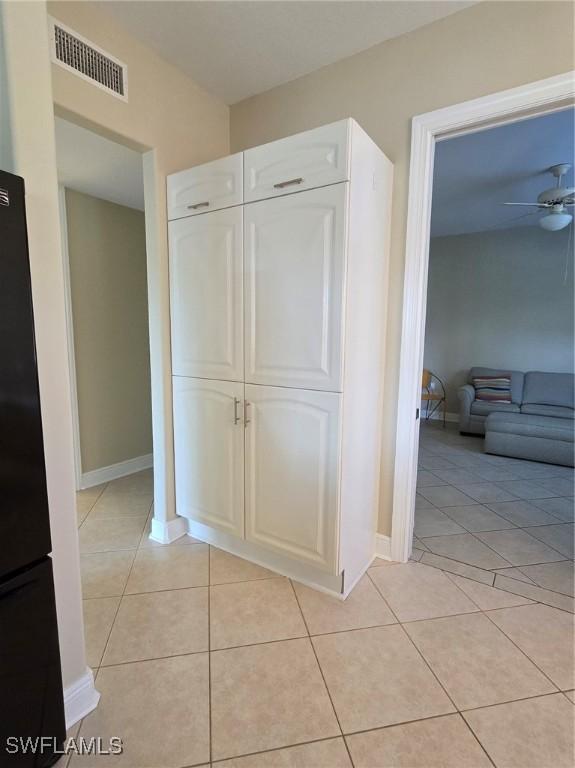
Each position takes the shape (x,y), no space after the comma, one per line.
(504,522)
(205,659)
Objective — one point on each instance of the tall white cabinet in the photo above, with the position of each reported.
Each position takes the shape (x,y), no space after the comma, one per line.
(278,271)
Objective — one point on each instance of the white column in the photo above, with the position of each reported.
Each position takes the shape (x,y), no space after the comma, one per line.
(166,525)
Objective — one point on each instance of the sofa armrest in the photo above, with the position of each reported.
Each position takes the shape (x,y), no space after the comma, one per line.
(466,395)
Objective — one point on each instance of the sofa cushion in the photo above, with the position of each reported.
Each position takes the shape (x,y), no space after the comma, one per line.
(493,389)
(558,411)
(516,379)
(549,389)
(530,426)
(484,408)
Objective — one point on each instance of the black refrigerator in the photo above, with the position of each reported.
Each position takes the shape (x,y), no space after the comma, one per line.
(32,726)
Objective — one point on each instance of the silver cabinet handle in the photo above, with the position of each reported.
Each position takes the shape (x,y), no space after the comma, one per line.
(236,414)
(282,184)
(246,420)
(198,205)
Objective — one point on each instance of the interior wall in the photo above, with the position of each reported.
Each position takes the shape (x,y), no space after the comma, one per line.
(499,299)
(489,47)
(177,125)
(107,256)
(28,149)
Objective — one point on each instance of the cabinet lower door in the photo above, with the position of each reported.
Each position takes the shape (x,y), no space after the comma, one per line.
(292,470)
(209,452)
(206,295)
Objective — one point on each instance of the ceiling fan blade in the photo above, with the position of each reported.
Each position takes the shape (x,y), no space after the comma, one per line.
(536,205)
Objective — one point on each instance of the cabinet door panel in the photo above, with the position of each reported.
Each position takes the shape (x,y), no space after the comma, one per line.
(206,286)
(294,258)
(209,452)
(304,161)
(292,471)
(206,187)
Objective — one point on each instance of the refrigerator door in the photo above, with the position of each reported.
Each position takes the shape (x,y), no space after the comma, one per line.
(31,700)
(24,522)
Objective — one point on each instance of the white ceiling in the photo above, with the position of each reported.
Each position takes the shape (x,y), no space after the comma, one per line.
(475,173)
(240,48)
(96,166)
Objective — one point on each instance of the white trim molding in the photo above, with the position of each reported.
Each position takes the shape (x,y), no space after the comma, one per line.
(80,698)
(506,106)
(114,471)
(70,336)
(166,531)
(383,546)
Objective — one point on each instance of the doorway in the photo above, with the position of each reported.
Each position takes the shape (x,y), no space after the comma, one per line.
(516,104)
(104,263)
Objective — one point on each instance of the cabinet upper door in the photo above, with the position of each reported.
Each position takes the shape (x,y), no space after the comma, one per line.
(311,159)
(206,287)
(207,187)
(209,452)
(294,259)
(292,473)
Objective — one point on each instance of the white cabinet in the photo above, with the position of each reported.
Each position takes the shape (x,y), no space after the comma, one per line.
(292,460)
(311,159)
(206,295)
(209,452)
(207,187)
(294,258)
(278,308)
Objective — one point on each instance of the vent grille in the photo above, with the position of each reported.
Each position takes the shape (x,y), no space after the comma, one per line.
(75,53)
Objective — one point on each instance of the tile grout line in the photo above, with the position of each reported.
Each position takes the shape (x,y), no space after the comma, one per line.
(321,673)
(458,712)
(406,633)
(503,588)
(193,586)
(96,500)
(508,608)
(524,653)
(384,727)
(275,749)
(209,654)
(116,615)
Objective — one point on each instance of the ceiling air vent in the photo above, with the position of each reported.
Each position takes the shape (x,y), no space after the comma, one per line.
(76,54)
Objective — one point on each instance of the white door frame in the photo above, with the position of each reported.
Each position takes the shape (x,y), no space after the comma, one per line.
(70,336)
(506,106)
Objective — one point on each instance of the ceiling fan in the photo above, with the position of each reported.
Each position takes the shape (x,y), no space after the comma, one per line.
(555,200)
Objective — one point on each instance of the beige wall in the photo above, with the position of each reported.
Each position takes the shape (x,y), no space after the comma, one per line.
(181,125)
(486,48)
(107,254)
(27,148)
(513,300)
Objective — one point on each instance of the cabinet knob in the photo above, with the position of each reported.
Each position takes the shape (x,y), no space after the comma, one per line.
(246,420)
(198,205)
(236,414)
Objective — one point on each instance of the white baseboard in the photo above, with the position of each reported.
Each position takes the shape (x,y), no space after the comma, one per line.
(114,471)
(284,565)
(80,698)
(166,531)
(383,546)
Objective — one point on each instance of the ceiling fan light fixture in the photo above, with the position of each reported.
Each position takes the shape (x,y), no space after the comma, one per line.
(555,221)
